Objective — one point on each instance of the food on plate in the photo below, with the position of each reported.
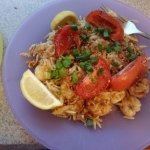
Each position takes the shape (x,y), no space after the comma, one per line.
(130,105)
(89,66)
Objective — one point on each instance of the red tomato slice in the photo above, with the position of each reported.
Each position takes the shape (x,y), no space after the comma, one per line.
(126,77)
(99,18)
(88,89)
(65,38)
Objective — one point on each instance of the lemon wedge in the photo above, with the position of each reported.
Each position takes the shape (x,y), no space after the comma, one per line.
(62,18)
(36,92)
(1,48)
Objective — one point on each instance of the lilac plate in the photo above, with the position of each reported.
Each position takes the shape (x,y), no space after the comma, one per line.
(60,134)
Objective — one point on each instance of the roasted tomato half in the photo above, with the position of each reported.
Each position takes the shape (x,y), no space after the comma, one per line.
(65,38)
(92,84)
(100,18)
(126,77)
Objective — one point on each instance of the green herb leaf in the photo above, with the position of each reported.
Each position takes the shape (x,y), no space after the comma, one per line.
(84,55)
(100,71)
(131,54)
(115,64)
(103,32)
(89,123)
(117,47)
(74,27)
(99,30)
(66,61)
(100,47)
(84,37)
(93,60)
(87,66)
(82,64)
(87,26)
(74,77)
(55,74)
(62,72)
(129,49)
(58,64)
(106,34)
(109,49)
(75,52)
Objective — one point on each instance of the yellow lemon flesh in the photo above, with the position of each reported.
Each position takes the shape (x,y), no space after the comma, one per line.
(1,48)
(62,18)
(36,92)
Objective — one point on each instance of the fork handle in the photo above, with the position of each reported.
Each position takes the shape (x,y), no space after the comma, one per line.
(146,35)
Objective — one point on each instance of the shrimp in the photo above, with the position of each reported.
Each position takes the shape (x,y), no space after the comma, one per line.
(102,104)
(129,106)
(140,88)
(99,106)
(114,96)
(42,70)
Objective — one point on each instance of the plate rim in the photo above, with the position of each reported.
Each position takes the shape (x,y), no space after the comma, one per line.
(24,22)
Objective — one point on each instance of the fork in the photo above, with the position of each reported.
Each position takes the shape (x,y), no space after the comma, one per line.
(129,26)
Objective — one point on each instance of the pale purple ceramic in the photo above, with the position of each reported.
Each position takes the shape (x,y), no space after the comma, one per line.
(61,134)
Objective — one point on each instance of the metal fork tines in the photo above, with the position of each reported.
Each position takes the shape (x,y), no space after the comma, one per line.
(112,12)
(129,25)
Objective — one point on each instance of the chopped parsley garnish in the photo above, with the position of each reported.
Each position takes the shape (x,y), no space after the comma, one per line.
(85,55)
(115,63)
(100,47)
(104,32)
(87,66)
(85,60)
(74,27)
(75,52)
(93,60)
(62,72)
(59,64)
(115,47)
(89,123)
(82,64)
(100,30)
(58,73)
(100,71)
(84,37)
(87,26)
(109,49)
(66,61)
(131,54)
(74,77)
(55,74)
